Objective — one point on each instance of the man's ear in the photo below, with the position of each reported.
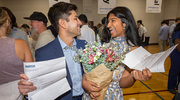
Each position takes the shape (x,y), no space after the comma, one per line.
(62,23)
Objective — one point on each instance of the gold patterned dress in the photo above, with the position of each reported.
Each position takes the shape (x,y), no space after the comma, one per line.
(114,91)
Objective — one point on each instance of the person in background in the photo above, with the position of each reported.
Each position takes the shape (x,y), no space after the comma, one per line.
(96,30)
(86,32)
(14,31)
(163,36)
(38,21)
(31,40)
(141,30)
(177,21)
(120,32)
(26,28)
(98,25)
(175,63)
(103,20)
(13,53)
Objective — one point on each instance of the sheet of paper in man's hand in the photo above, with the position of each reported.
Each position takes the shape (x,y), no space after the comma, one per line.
(140,59)
(49,77)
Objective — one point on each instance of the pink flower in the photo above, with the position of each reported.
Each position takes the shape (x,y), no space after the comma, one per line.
(109,58)
(117,59)
(110,51)
(90,62)
(84,52)
(91,59)
(106,50)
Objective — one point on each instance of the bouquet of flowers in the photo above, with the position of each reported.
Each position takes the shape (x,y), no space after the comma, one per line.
(98,63)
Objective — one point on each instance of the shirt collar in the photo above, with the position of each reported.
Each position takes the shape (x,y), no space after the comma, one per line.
(63,45)
(44,32)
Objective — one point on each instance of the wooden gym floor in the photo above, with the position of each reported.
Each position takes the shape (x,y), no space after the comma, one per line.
(154,89)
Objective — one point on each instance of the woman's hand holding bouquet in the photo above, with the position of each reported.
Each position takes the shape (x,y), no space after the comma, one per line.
(98,62)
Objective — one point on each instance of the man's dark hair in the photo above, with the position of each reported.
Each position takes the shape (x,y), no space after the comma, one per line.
(139,21)
(60,10)
(83,18)
(163,22)
(25,26)
(12,17)
(103,20)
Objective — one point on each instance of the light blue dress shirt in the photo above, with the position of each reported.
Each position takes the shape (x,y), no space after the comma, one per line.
(74,68)
(163,33)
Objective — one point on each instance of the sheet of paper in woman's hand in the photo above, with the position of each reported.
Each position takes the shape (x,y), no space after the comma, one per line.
(140,59)
(49,77)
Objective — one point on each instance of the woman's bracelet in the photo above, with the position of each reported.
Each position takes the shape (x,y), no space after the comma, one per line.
(132,75)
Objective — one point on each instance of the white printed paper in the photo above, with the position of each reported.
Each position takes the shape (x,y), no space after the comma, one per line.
(49,77)
(140,59)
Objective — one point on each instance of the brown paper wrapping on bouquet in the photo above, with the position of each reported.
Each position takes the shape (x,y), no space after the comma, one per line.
(102,76)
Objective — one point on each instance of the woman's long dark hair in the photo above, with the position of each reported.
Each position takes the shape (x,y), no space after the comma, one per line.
(131,30)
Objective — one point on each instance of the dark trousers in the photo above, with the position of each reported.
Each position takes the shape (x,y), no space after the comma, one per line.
(173,72)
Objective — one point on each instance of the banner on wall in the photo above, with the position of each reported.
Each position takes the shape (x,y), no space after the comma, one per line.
(153,6)
(104,6)
(52,2)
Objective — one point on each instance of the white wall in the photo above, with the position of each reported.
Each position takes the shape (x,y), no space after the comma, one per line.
(178,11)
(171,7)
(79,4)
(170,10)
(24,8)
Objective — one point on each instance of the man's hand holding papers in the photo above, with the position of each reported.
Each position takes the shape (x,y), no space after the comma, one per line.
(48,76)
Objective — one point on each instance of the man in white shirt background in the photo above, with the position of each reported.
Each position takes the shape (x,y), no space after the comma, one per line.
(141,30)
(86,32)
